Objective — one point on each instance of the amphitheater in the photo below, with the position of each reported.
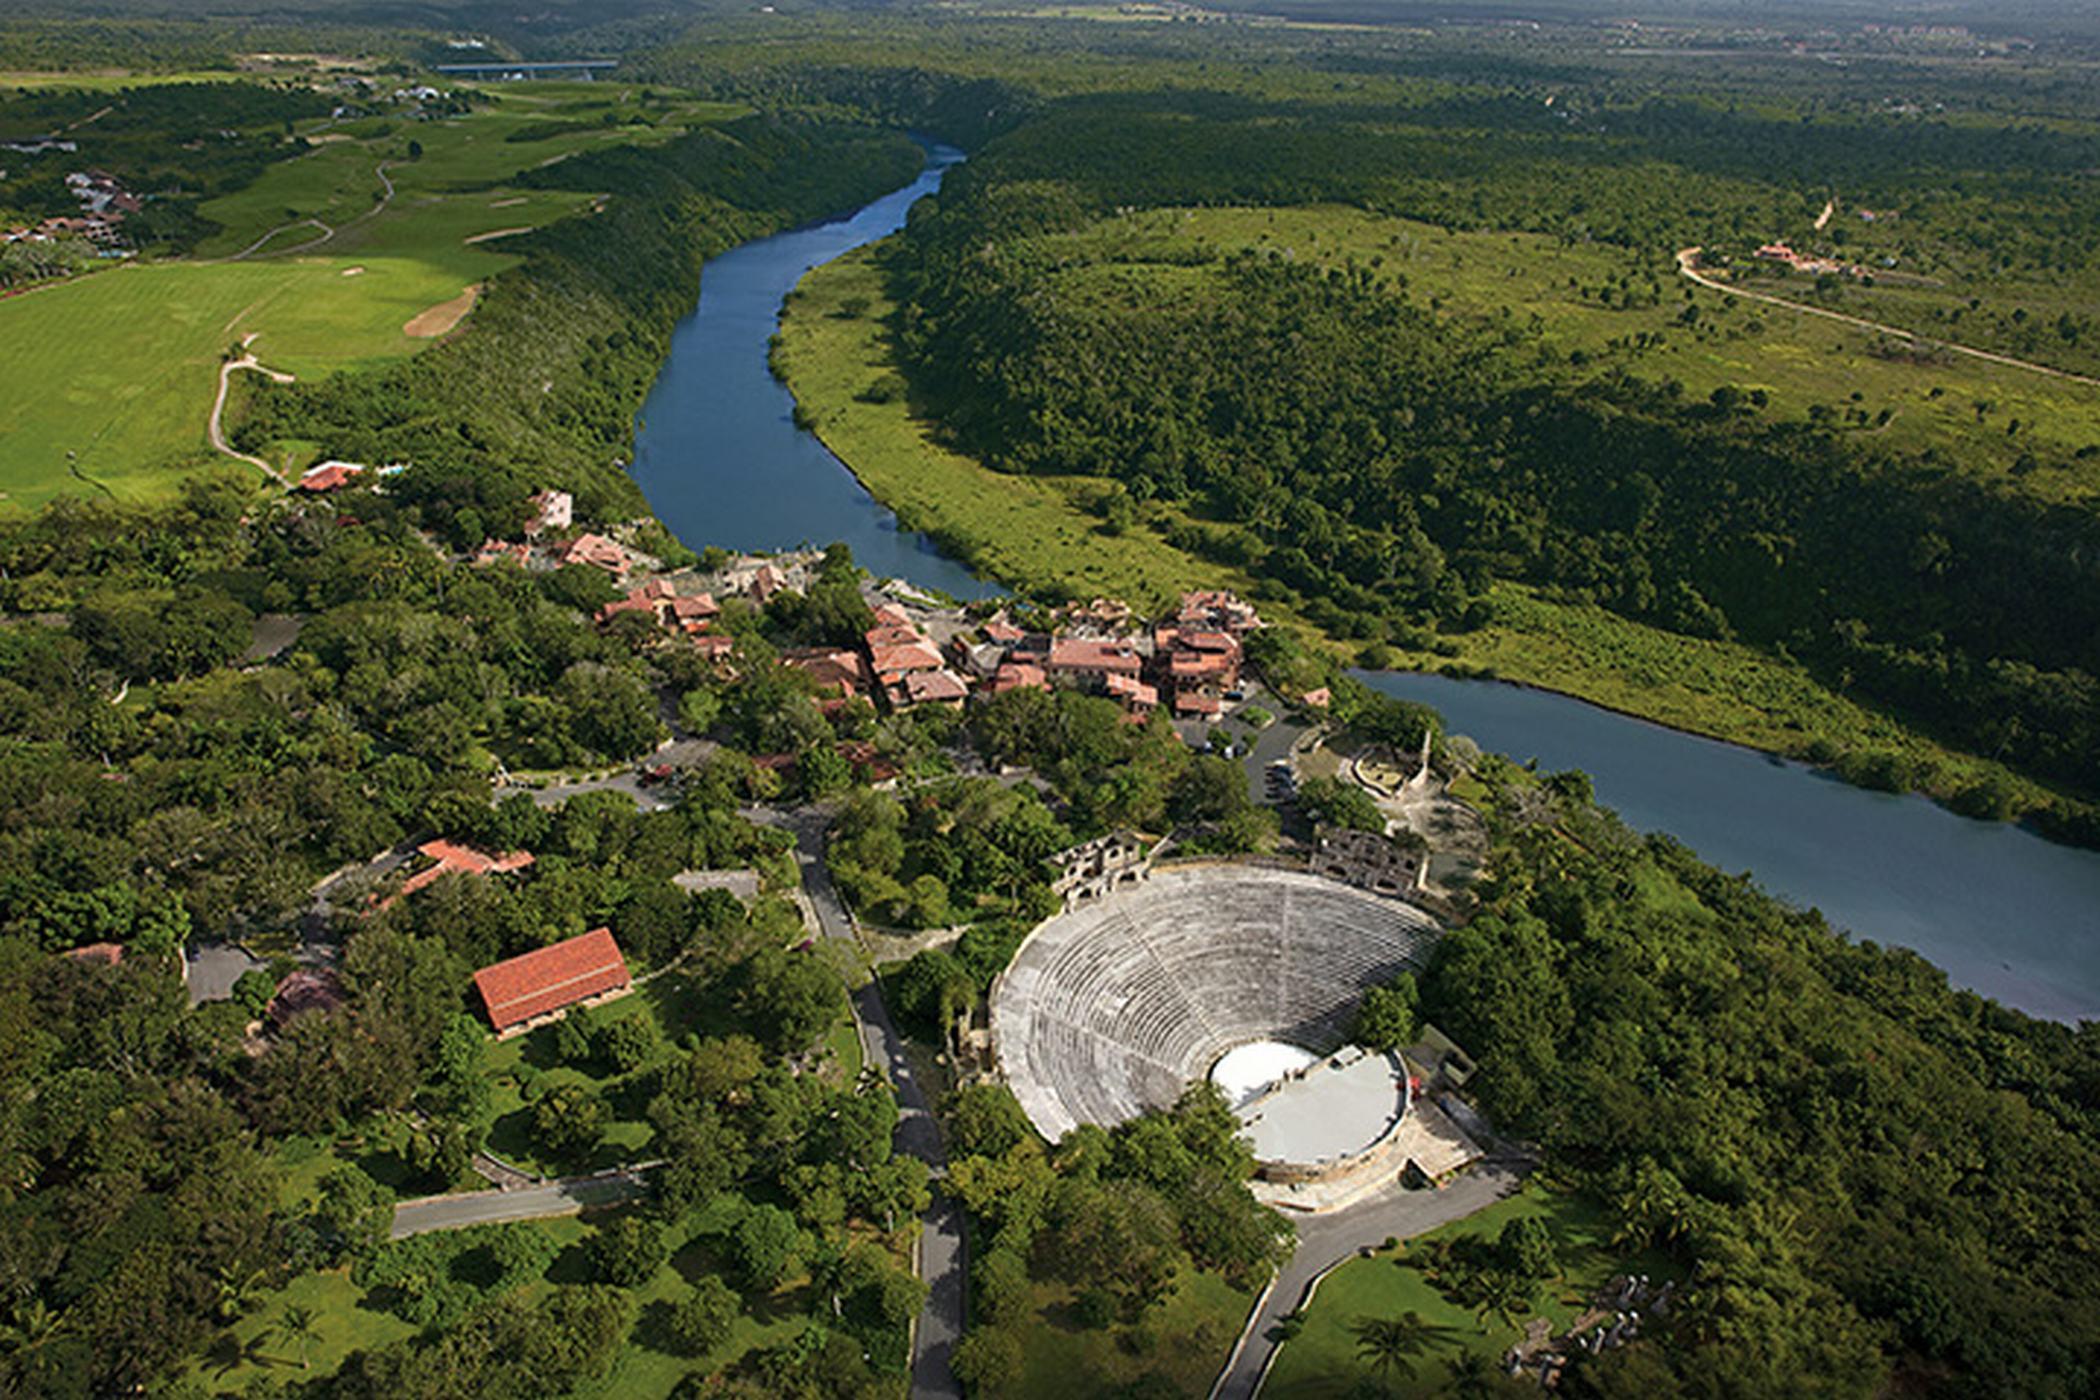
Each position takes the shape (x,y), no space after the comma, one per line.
(1112,1008)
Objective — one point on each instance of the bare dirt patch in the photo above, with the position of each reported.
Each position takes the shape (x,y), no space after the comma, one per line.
(508,203)
(442,317)
(353,272)
(496,233)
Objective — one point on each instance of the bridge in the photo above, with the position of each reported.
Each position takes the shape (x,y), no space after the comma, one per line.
(584,68)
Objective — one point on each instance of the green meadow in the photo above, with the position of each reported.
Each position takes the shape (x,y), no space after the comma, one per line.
(120,368)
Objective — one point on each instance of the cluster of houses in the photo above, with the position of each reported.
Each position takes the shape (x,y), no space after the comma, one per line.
(1190,661)
(104,204)
(1804,262)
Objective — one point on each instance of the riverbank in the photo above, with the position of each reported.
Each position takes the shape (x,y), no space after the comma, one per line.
(1040,535)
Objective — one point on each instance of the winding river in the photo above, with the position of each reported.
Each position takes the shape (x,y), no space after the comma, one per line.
(2003,911)
(718,453)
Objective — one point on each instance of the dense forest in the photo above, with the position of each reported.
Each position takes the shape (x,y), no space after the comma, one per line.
(1874,1182)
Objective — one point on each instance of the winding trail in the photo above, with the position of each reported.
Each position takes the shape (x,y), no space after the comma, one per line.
(1688,265)
(328,233)
(214,428)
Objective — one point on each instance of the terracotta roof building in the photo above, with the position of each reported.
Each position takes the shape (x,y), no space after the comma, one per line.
(329,476)
(607,554)
(1082,658)
(450,857)
(842,671)
(540,983)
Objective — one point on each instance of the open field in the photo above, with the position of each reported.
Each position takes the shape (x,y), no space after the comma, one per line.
(1034,532)
(108,79)
(120,367)
(1322,1361)
(1799,360)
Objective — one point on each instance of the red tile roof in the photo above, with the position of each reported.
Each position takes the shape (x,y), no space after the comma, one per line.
(1018,675)
(841,669)
(547,979)
(923,687)
(329,476)
(899,658)
(1086,654)
(1192,702)
(452,857)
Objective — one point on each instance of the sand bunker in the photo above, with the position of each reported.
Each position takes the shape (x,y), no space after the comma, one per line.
(507,203)
(353,272)
(442,317)
(497,233)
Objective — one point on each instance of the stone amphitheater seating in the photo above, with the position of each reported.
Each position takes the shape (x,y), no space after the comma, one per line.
(1112,1008)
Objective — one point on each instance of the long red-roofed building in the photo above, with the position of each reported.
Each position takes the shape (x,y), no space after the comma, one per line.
(524,989)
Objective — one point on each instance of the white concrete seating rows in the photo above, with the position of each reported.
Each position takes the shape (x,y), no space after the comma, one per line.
(1111,1008)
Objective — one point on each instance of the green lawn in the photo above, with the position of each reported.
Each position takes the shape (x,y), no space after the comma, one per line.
(1322,1361)
(120,367)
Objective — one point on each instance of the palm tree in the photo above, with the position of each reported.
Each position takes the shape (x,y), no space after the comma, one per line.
(1389,1345)
(297,1324)
(1472,1377)
(1504,1296)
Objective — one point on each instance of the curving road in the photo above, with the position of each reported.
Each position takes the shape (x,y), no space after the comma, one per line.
(1327,1240)
(1688,265)
(941,1252)
(214,429)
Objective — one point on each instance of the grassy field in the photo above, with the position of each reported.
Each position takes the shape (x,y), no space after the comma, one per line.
(1322,1362)
(120,368)
(1799,360)
(1032,532)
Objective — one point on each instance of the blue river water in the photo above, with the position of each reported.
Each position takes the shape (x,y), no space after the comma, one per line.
(2003,911)
(718,453)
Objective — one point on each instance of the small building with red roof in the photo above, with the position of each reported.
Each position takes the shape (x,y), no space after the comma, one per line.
(1018,675)
(329,476)
(452,858)
(835,670)
(599,551)
(929,688)
(533,987)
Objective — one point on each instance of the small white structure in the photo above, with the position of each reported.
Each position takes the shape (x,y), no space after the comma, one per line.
(552,510)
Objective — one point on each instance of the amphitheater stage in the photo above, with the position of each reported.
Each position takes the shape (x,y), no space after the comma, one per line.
(1113,1008)
(1325,1113)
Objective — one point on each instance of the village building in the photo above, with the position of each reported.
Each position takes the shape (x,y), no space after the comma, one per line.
(843,673)
(315,989)
(1138,698)
(536,987)
(329,476)
(551,510)
(598,551)
(1217,610)
(1368,860)
(1094,868)
(1018,675)
(930,688)
(1089,662)
(497,551)
(452,858)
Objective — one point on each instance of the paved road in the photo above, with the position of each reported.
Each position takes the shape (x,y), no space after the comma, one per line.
(1325,1240)
(526,1203)
(625,781)
(941,1257)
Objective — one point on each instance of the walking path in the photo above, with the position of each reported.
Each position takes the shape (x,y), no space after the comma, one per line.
(328,233)
(213,428)
(1687,263)
(564,1197)
(1327,1240)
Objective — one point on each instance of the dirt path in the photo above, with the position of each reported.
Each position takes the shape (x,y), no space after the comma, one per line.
(1687,263)
(328,233)
(213,428)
